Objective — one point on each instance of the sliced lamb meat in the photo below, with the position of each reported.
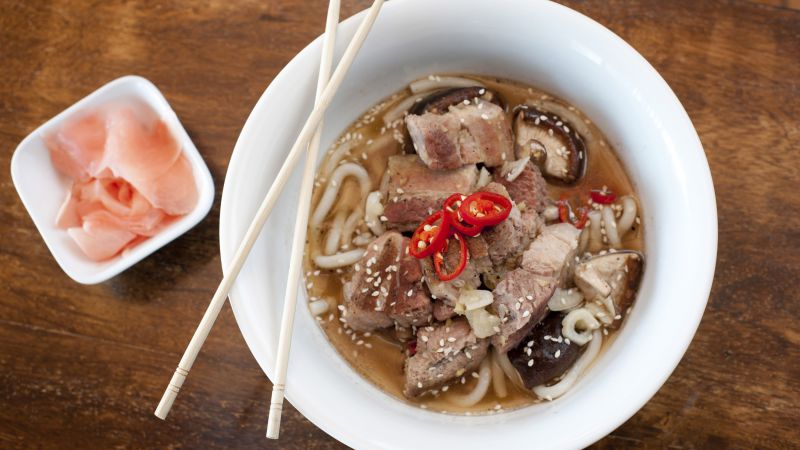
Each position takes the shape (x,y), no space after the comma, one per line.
(386,287)
(443,309)
(508,239)
(465,134)
(477,263)
(550,142)
(409,303)
(552,253)
(528,188)
(412,191)
(444,353)
(611,276)
(520,300)
(521,297)
(544,354)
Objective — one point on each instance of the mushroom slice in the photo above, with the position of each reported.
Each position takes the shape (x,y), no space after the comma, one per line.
(613,276)
(551,143)
(544,354)
(440,101)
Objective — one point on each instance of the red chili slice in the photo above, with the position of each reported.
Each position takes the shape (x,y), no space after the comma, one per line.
(582,218)
(412,347)
(463,256)
(430,236)
(563,211)
(456,221)
(565,214)
(603,197)
(485,209)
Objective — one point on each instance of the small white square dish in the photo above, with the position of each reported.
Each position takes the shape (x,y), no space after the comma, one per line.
(42,188)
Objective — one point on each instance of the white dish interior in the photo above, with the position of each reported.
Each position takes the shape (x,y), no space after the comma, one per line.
(538,43)
(42,189)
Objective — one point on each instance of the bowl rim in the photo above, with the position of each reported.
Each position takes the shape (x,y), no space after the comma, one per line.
(643,395)
(147,92)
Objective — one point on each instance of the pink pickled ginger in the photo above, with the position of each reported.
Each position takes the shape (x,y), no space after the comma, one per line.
(130,178)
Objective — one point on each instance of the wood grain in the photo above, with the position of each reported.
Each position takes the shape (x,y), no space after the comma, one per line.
(84,366)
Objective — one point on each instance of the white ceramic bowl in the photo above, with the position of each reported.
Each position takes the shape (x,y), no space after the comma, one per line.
(42,188)
(539,43)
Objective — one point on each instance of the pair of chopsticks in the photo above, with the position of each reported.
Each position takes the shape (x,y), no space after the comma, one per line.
(309,135)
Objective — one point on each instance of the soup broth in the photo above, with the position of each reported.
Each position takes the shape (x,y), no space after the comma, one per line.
(369,142)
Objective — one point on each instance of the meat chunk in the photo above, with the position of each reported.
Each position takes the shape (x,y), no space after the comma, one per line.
(445,352)
(478,262)
(520,300)
(465,134)
(386,288)
(552,253)
(508,239)
(611,280)
(410,304)
(521,297)
(412,191)
(544,354)
(443,309)
(529,188)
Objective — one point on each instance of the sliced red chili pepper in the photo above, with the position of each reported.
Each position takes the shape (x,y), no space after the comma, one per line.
(603,197)
(563,211)
(463,256)
(456,221)
(412,347)
(485,209)
(583,217)
(430,236)
(565,214)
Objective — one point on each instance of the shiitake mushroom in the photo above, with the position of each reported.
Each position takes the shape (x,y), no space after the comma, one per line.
(611,276)
(440,101)
(551,142)
(551,353)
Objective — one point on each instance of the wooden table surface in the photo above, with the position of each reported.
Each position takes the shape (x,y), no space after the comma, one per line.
(84,366)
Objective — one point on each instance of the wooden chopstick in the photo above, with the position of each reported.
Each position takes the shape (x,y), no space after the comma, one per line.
(301,224)
(239,258)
